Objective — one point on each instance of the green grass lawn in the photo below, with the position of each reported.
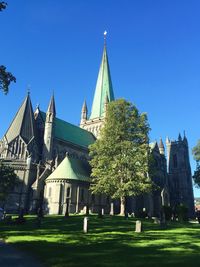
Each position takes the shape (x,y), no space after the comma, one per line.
(111,241)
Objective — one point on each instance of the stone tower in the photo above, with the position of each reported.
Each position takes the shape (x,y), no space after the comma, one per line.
(49,130)
(179,171)
(103,95)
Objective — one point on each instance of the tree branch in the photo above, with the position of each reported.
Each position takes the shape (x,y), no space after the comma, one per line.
(5,79)
(3,5)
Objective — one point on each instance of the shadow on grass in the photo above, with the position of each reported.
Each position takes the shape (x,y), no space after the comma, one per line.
(110,242)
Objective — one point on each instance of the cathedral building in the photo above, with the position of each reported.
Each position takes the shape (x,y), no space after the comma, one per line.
(50,157)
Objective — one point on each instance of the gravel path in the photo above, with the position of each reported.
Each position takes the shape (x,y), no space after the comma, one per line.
(11,257)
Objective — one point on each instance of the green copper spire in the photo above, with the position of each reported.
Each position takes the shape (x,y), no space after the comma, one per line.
(103,88)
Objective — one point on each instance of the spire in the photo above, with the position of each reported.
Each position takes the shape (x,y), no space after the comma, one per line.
(167,140)
(52,106)
(84,107)
(103,87)
(23,123)
(179,137)
(84,112)
(49,130)
(185,138)
(161,147)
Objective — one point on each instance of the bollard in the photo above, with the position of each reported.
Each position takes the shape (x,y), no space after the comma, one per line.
(102,212)
(111,208)
(138,227)
(85,225)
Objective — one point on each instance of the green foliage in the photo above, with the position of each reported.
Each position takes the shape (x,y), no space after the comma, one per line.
(120,158)
(196,155)
(168,212)
(5,79)
(2,5)
(196,152)
(8,180)
(182,212)
(196,176)
(141,214)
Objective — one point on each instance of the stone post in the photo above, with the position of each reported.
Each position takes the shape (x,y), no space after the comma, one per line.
(138,227)
(85,225)
(111,208)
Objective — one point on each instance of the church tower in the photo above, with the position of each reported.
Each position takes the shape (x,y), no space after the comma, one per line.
(180,178)
(49,130)
(103,95)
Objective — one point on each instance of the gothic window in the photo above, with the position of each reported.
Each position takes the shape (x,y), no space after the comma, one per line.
(175,163)
(50,190)
(16,146)
(185,157)
(82,195)
(20,145)
(68,192)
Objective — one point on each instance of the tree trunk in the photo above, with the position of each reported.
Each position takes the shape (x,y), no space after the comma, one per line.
(122,206)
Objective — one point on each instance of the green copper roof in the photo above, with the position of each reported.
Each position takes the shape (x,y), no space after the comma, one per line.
(103,88)
(73,169)
(71,133)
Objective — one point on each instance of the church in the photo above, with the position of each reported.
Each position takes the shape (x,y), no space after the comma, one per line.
(50,157)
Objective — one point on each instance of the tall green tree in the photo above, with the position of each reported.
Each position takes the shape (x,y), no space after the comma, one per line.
(120,158)
(8,180)
(5,77)
(196,155)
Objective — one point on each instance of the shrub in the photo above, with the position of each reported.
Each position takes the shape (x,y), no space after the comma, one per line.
(182,212)
(168,212)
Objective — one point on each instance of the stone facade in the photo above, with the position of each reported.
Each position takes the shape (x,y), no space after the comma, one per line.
(179,173)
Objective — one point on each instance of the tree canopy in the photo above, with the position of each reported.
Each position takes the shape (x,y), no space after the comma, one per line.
(5,77)
(196,152)
(120,158)
(8,180)
(196,155)
(2,5)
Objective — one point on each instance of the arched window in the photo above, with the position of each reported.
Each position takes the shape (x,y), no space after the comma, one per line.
(82,195)
(68,192)
(50,191)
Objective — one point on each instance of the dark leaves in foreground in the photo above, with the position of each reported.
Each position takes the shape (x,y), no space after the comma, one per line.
(2,5)
(5,79)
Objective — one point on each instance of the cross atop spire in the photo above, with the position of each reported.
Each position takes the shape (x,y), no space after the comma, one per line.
(105,33)
(103,87)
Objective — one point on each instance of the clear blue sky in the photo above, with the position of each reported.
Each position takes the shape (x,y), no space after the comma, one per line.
(153,48)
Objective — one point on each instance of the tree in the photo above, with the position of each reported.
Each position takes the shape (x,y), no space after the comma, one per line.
(8,180)
(5,77)
(196,155)
(2,5)
(196,176)
(196,152)
(120,158)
